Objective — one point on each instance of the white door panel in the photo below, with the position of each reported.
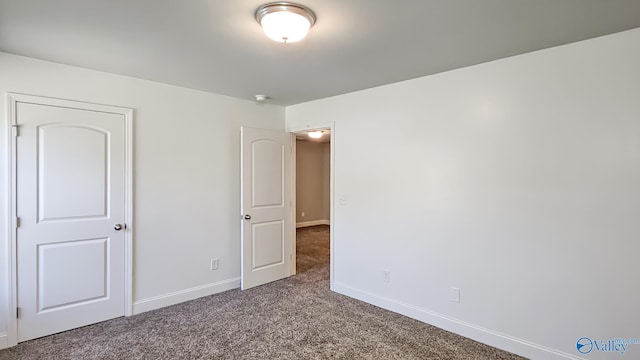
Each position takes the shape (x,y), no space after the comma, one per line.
(267,169)
(58,262)
(267,244)
(265,203)
(70,194)
(87,175)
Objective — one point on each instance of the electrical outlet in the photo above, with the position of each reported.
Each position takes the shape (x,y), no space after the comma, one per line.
(302,214)
(387,276)
(214,264)
(454,294)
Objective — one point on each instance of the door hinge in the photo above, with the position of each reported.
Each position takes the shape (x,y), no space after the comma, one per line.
(18,312)
(16,128)
(17,222)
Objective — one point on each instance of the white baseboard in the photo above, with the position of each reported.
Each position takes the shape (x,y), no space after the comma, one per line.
(493,338)
(312,223)
(4,340)
(177,297)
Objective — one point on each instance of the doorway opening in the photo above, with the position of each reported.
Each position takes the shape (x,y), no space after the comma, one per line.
(313,202)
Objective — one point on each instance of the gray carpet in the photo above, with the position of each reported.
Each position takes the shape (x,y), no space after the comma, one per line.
(295,318)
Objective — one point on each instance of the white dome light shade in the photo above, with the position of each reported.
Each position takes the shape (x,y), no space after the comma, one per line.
(285,22)
(285,26)
(315,134)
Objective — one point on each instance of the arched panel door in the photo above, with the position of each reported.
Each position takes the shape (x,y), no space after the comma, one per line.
(265,206)
(70,199)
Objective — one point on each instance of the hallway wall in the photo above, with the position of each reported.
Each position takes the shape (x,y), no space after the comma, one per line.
(312,182)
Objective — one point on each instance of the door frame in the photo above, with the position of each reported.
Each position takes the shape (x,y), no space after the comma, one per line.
(330,125)
(12,99)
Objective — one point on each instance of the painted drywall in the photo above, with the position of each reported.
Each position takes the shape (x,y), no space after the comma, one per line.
(186,174)
(516,181)
(312,174)
(326,181)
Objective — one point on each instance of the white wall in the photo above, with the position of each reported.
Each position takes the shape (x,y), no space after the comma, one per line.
(312,182)
(186,175)
(517,181)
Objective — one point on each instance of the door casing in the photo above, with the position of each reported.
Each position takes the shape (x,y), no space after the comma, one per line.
(13,129)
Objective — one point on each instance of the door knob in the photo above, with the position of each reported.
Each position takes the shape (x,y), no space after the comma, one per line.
(247,217)
(118,227)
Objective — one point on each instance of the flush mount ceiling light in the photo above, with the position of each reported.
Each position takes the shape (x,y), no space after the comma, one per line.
(284,21)
(315,134)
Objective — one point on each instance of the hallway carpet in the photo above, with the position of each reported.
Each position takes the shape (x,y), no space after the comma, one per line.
(295,318)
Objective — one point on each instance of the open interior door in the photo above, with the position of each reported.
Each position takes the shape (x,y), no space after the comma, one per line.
(265,206)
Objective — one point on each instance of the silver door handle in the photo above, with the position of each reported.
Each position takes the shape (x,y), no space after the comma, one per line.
(247,217)
(118,227)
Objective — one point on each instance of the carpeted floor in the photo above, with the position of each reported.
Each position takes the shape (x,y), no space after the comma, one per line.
(295,318)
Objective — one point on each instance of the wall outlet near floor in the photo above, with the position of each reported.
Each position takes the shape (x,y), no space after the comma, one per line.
(302,214)
(213,265)
(454,294)
(387,276)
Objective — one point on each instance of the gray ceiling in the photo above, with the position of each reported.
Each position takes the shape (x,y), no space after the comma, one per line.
(217,46)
